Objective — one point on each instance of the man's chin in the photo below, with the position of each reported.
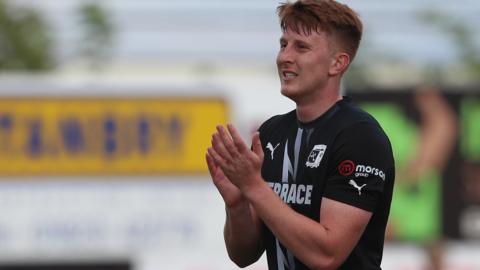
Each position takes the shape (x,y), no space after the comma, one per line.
(289,93)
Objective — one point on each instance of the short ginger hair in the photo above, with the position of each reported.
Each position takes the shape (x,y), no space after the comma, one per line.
(329,16)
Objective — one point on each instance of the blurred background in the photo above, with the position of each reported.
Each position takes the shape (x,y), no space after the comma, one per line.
(107,108)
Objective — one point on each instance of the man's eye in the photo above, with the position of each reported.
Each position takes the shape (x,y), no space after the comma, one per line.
(302,46)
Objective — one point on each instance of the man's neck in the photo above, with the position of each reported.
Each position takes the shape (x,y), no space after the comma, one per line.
(312,109)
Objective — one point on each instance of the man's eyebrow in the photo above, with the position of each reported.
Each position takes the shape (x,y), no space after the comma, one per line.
(294,41)
(302,42)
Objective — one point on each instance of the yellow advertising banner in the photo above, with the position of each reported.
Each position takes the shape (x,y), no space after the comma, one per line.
(89,136)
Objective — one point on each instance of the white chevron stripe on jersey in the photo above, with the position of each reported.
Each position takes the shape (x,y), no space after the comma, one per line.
(288,169)
(284,262)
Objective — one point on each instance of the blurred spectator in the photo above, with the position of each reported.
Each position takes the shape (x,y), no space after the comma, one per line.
(416,206)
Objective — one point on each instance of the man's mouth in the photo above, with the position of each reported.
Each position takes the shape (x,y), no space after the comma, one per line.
(288,75)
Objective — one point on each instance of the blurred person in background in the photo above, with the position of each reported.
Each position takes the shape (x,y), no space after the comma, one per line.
(314,190)
(416,205)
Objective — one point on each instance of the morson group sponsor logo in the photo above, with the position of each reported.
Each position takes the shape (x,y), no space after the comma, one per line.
(348,167)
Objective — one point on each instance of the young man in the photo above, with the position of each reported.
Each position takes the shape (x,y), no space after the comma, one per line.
(314,190)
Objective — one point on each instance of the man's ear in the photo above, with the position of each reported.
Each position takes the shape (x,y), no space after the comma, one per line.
(340,62)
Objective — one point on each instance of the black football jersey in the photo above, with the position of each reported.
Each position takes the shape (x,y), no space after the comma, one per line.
(344,155)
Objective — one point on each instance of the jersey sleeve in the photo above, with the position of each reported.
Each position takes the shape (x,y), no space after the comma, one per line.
(359,166)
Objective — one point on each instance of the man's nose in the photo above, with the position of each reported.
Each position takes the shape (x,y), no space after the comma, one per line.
(285,55)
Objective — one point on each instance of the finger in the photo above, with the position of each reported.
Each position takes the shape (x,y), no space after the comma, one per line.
(217,158)
(227,141)
(257,145)
(215,172)
(237,139)
(220,147)
(212,168)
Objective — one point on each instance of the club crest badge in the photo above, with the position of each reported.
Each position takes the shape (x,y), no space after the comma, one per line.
(316,155)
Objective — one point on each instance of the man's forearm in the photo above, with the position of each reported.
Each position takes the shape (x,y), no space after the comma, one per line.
(304,237)
(314,244)
(243,235)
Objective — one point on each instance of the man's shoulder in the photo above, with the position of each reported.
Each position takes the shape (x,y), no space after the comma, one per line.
(351,113)
(360,128)
(278,121)
(350,116)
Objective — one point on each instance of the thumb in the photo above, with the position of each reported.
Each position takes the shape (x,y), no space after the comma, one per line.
(257,145)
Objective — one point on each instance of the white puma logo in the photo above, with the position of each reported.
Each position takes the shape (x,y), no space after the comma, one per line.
(355,185)
(271,148)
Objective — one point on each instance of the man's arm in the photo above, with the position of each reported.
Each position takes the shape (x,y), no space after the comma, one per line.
(242,231)
(243,235)
(319,245)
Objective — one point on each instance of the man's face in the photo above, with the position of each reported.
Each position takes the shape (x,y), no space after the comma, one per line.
(303,64)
